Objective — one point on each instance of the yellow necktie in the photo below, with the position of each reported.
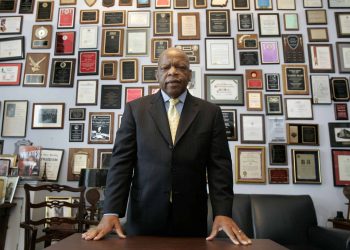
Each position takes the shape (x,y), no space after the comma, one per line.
(173,117)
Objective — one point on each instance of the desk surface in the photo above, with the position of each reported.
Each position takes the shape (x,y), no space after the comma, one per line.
(159,243)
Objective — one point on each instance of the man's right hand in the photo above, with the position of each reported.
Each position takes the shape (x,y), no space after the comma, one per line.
(107,224)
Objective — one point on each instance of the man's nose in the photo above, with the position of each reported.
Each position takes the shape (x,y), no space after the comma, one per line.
(172,70)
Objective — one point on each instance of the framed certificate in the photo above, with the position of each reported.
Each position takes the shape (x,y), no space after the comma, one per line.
(269,52)
(113,18)
(66,18)
(224,89)
(62,72)
(343,55)
(286,4)
(109,70)
(77,114)
(88,37)
(158,46)
(65,43)
(341,161)
(14,119)
(188,26)
(51,159)
(88,62)
(41,37)
(302,134)
(162,23)
(241,5)
(341,111)
(263,5)
(48,116)
(218,23)
(181,4)
(291,21)
(87,92)
(11,25)
(272,82)
(12,48)
(247,41)
(340,89)
(278,154)
(245,21)
(254,100)
(192,51)
(10,74)
(89,16)
(306,166)
(26,6)
(318,34)
(128,70)
(44,11)
(269,25)
(295,80)
(111,96)
(321,91)
(219,54)
(273,104)
(250,164)
(76,132)
(316,17)
(336,4)
(7,6)
(36,69)
(278,175)
(230,120)
(321,58)
(139,19)
(339,134)
(293,48)
(79,158)
(200,4)
(149,73)
(298,109)
(252,128)
(133,93)
(112,42)
(163,4)
(312,4)
(136,42)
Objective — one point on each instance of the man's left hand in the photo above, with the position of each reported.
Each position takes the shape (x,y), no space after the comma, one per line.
(225,223)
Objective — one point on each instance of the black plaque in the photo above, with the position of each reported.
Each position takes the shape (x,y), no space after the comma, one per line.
(108,69)
(26,6)
(308,134)
(340,88)
(149,73)
(293,48)
(108,3)
(272,81)
(229,120)
(8,5)
(112,42)
(89,16)
(218,23)
(111,96)
(245,22)
(278,154)
(44,11)
(163,23)
(295,78)
(62,73)
(129,70)
(159,47)
(249,58)
(113,18)
(241,4)
(76,132)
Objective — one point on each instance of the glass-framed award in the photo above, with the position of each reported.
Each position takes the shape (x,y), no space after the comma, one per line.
(245,21)
(111,96)
(62,72)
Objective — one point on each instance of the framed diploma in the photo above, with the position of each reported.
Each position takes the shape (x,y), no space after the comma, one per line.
(320,88)
(181,4)
(48,116)
(88,62)
(14,119)
(302,134)
(219,54)
(44,11)
(143,3)
(65,43)
(87,91)
(41,37)
(273,104)
(312,4)
(136,42)
(241,5)
(252,129)
(286,4)
(269,25)
(152,89)
(10,74)
(218,23)
(133,93)
(89,16)
(125,3)
(291,21)
(68,2)
(112,42)
(76,132)
(188,26)
(109,70)
(51,161)
(79,158)
(88,36)
(295,80)
(316,17)
(158,46)
(298,109)
(104,158)
(341,111)
(162,23)
(341,161)
(321,58)
(230,120)
(192,51)
(200,4)
(139,19)
(339,134)
(263,5)
(247,41)
(111,96)
(149,73)
(12,48)
(66,18)
(248,58)
(340,89)
(278,175)
(254,78)
(195,85)
(11,25)
(269,52)
(254,100)
(7,6)
(278,154)
(163,4)
(224,89)
(318,34)
(36,69)
(306,166)
(336,4)
(113,18)
(272,82)
(62,72)
(250,164)
(293,48)
(26,6)
(77,114)
(101,127)
(245,21)
(128,70)
(343,55)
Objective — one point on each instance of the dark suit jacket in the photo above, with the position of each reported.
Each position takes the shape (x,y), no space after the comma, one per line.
(144,156)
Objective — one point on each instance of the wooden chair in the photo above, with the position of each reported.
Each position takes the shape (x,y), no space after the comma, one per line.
(55,228)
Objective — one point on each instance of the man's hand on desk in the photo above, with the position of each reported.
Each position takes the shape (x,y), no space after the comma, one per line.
(225,223)
(106,225)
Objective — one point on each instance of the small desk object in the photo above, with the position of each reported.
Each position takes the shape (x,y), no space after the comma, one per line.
(341,224)
(4,218)
(159,243)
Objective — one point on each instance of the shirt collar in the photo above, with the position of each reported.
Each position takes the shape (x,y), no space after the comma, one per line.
(182,97)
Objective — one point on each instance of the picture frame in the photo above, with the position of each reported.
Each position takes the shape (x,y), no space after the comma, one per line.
(143,3)
(254,79)
(343,50)
(320,89)
(321,58)
(66,18)
(133,93)
(278,154)
(295,80)
(125,3)
(254,100)
(111,96)
(51,163)
(306,166)
(44,11)
(76,132)
(4,167)
(192,51)
(36,69)
(263,5)
(26,7)
(272,82)
(159,4)
(104,156)
(48,115)
(334,4)
(113,18)
(87,92)
(88,36)
(252,128)
(29,162)
(286,5)
(136,42)
(340,89)
(8,7)
(269,25)
(273,104)
(12,48)
(88,61)
(302,134)
(109,70)
(218,22)
(79,158)
(194,86)
(14,119)
(162,23)
(181,4)
(65,43)
(101,128)
(245,21)
(12,158)
(230,120)
(2,147)
(250,164)
(11,25)
(128,70)
(149,73)
(139,19)
(89,16)
(278,175)
(318,34)
(291,21)
(200,4)
(312,4)
(77,114)
(269,52)
(293,48)
(112,42)
(219,54)
(224,89)
(316,17)
(341,111)
(340,160)
(41,37)
(247,41)
(62,72)
(298,108)
(158,45)
(11,186)
(339,134)
(248,58)
(188,26)
(240,5)
(342,24)
(10,74)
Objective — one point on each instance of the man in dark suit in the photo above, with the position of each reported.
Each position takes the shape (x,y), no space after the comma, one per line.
(168,145)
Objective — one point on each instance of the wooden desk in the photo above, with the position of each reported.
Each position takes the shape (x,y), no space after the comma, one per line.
(159,243)
(342,224)
(4,218)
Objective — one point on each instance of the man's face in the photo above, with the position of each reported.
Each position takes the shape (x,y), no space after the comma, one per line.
(173,72)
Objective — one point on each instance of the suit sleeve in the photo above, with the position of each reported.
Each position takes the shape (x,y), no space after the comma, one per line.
(219,169)
(121,166)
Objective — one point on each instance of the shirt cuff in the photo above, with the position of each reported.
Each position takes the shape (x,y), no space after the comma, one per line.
(117,215)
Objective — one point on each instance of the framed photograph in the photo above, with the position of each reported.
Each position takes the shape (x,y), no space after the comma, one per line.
(65,43)
(272,82)
(218,23)
(342,21)
(113,18)
(4,167)
(295,80)
(195,85)
(163,4)
(269,52)
(139,19)
(336,4)
(79,158)
(136,42)
(316,17)
(245,21)
(128,70)
(278,175)
(341,160)
(88,36)
(101,127)
(188,26)
(149,73)
(66,18)
(29,161)
(104,158)
(50,163)
(321,58)
(230,119)
(241,5)
(252,128)
(41,37)
(10,74)
(291,21)
(192,51)
(320,88)
(12,48)
(76,132)
(77,114)
(36,69)
(200,4)
(263,4)
(11,186)
(219,54)
(306,166)
(254,100)
(89,16)
(339,134)
(302,134)
(11,25)
(278,154)
(8,6)
(293,48)
(318,34)
(298,109)
(62,72)
(181,4)
(312,4)
(111,96)
(269,25)
(273,104)
(158,45)
(340,89)
(44,11)
(88,61)
(250,164)
(254,78)
(343,55)
(14,119)
(87,91)
(26,6)
(224,89)
(11,157)
(162,23)
(286,5)
(341,111)
(109,70)
(48,116)
(247,41)
(112,42)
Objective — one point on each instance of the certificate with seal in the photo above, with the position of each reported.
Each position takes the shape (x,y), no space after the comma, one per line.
(10,74)
(12,48)
(219,54)
(79,158)
(269,25)
(86,92)
(252,128)
(306,166)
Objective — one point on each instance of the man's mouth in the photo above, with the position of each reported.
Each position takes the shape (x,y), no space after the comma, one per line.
(173,81)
